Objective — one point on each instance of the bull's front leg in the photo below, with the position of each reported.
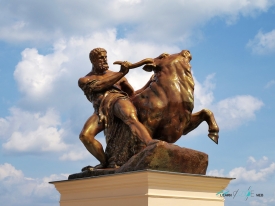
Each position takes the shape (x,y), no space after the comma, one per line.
(204,115)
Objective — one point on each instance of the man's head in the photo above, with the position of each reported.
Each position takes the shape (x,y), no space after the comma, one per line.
(98,58)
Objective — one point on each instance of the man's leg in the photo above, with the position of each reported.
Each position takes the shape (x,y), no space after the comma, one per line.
(87,136)
(126,111)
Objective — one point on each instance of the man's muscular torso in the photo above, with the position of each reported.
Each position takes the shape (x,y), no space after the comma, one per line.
(95,94)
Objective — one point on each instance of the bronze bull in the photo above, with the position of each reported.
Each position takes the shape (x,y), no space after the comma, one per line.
(165,104)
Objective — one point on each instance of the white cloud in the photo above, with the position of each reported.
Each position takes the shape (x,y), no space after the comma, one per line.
(252,163)
(263,43)
(242,174)
(52,79)
(16,189)
(216,173)
(43,188)
(75,155)
(76,152)
(255,171)
(19,31)
(26,132)
(203,93)
(235,111)
(7,170)
(39,20)
(270,84)
(230,112)
(36,73)
(4,125)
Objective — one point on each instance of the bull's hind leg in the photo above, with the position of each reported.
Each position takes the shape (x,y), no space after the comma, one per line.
(204,115)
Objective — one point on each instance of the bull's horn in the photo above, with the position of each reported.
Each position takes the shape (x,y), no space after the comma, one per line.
(138,64)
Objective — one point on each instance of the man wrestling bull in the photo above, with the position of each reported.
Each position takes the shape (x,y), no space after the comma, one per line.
(109,93)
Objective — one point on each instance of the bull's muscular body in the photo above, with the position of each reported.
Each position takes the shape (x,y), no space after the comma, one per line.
(166,102)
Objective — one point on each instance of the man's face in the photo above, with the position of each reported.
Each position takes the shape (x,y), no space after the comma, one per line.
(100,63)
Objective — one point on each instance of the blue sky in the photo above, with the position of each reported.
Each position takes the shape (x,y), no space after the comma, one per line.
(44,51)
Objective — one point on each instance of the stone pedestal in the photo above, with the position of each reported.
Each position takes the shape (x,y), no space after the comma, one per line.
(143,188)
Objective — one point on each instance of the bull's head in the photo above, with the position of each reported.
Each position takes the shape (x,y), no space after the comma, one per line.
(165,58)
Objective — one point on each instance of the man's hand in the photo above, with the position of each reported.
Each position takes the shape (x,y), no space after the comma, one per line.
(163,55)
(125,66)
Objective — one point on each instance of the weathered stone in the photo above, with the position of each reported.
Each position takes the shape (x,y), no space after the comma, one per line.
(161,156)
(167,157)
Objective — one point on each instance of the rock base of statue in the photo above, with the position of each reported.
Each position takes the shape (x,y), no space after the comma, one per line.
(159,156)
(143,188)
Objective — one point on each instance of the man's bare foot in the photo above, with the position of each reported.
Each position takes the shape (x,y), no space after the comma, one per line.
(91,168)
(87,168)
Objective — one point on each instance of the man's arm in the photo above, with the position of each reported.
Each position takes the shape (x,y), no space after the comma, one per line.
(104,83)
(127,87)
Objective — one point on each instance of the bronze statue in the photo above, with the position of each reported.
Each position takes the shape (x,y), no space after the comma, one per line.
(109,92)
(161,110)
(166,102)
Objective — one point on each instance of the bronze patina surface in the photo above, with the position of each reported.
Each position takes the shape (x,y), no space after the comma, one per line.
(166,102)
(109,92)
(136,123)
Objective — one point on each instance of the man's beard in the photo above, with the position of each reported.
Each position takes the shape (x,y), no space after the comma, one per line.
(103,67)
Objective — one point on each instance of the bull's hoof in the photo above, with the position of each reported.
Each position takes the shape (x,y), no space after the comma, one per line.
(214,136)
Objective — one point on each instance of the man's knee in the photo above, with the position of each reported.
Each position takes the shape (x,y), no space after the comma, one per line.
(130,117)
(85,138)
(82,137)
(130,121)
(126,114)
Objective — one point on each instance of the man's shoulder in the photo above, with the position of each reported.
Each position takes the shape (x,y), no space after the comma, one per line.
(87,79)
(94,77)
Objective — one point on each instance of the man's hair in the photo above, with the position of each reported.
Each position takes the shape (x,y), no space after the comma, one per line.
(94,53)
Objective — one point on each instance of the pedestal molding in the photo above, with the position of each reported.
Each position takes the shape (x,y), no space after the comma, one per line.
(143,188)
